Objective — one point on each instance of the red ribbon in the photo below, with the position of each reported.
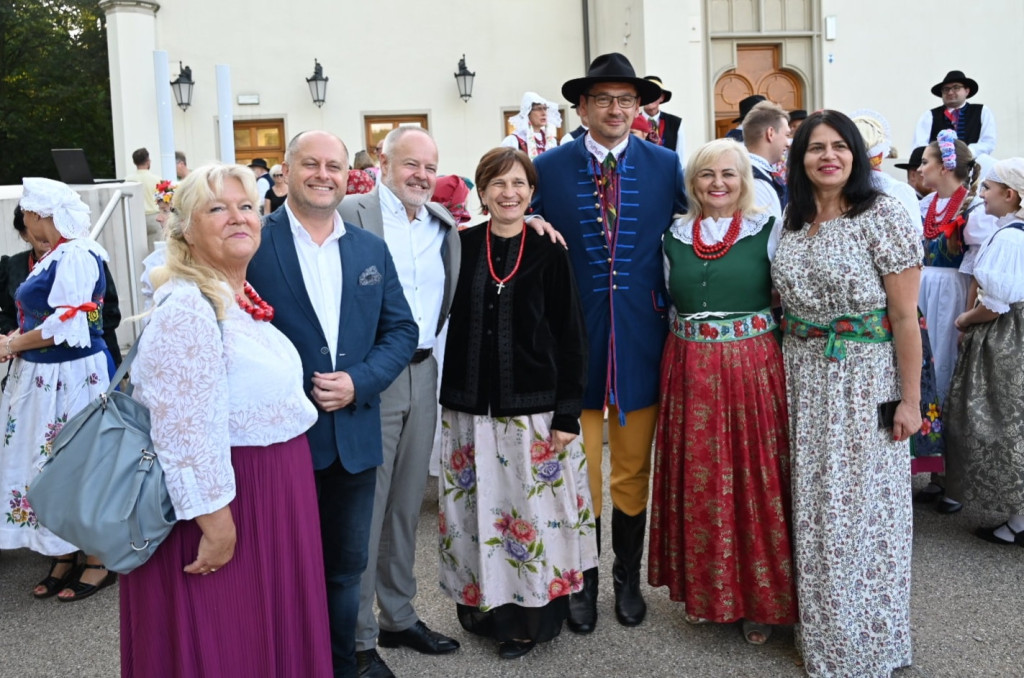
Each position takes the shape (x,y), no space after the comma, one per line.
(72,310)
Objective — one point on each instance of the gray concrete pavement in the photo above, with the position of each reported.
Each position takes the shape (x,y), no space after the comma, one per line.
(967,616)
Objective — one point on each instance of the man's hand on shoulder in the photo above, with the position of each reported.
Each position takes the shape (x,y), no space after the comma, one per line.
(543,227)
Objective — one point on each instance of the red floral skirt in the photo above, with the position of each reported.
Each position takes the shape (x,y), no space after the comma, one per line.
(720,510)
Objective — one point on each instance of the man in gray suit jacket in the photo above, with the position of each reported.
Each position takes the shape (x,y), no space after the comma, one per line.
(424,243)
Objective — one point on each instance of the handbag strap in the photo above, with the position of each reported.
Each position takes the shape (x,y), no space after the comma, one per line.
(127,361)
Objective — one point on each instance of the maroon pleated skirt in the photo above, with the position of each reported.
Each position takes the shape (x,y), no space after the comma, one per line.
(264,613)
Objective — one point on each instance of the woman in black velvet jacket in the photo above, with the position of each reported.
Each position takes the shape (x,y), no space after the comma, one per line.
(516,524)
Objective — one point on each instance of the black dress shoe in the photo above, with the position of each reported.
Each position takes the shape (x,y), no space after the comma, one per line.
(419,638)
(989,535)
(510,649)
(370,665)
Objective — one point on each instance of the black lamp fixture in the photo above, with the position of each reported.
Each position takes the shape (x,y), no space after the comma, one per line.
(182,87)
(464,79)
(318,84)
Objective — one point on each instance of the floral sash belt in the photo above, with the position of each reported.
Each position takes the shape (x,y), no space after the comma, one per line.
(870,328)
(719,329)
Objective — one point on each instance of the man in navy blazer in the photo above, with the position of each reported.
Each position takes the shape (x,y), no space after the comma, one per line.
(337,297)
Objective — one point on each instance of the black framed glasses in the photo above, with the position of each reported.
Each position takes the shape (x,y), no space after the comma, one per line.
(605,100)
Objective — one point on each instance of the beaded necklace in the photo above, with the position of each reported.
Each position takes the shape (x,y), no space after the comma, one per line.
(252,304)
(490,262)
(719,249)
(947,221)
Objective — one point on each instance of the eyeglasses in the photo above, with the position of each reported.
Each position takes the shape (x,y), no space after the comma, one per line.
(605,100)
(950,89)
(277,176)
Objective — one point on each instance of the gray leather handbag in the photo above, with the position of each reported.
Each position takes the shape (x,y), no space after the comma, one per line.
(103,489)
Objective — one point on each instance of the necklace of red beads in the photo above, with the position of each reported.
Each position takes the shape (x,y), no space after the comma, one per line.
(933,229)
(253,304)
(719,249)
(500,282)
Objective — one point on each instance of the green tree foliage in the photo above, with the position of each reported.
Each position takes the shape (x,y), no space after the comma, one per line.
(54,86)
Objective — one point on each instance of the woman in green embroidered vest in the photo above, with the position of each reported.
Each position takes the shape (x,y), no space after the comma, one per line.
(848,270)
(720,535)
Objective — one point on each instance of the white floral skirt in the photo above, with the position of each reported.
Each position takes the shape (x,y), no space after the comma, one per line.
(516,523)
(37,401)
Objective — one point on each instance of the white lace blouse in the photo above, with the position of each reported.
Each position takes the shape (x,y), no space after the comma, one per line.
(999,268)
(207,394)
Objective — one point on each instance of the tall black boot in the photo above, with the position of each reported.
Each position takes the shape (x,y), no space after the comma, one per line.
(583,605)
(628,545)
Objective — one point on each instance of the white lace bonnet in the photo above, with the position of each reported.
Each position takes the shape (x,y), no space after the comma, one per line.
(49,198)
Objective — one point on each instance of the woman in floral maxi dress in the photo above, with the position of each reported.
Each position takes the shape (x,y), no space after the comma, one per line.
(516,527)
(720,536)
(847,268)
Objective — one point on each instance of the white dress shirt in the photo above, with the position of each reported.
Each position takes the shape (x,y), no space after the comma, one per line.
(765,196)
(321,274)
(985,144)
(416,250)
(600,152)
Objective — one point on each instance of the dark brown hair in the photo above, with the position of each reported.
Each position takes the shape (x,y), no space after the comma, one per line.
(498,161)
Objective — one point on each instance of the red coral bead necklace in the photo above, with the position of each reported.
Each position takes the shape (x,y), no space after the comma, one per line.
(719,249)
(253,304)
(934,222)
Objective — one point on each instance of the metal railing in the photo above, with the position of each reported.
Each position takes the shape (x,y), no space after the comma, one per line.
(121,199)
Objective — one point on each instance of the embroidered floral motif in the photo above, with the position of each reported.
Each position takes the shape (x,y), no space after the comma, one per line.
(546,466)
(872,327)
(52,429)
(732,329)
(21,514)
(519,541)
(461,477)
(11,421)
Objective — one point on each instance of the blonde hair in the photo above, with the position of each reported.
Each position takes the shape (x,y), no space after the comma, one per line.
(707,155)
(202,186)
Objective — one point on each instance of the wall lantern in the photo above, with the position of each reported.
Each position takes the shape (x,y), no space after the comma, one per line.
(464,79)
(318,84)
(182,87)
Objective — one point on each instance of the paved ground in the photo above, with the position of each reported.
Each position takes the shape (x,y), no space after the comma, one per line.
(967,607)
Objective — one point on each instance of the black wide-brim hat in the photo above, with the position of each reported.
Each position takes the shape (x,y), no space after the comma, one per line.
(665,94)
(749,103)
(612,67)
(956,76)
(915,159)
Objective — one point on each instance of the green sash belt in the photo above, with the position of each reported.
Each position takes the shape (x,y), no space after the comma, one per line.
(870,328)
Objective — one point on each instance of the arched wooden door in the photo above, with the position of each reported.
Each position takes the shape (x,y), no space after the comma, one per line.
(757,72)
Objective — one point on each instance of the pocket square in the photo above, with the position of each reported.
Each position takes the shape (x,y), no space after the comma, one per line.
(370,276)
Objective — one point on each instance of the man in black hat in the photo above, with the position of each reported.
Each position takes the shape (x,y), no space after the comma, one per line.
(669,127)
(746,105)
(612,196)
(914,177)
(974,123)
(263,179)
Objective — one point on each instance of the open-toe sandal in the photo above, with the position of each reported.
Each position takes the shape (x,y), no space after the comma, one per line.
(54,585)
(694,620)
(756,634)
(82,590)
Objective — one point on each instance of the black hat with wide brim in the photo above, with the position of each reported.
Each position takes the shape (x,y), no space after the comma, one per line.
(749,103)
(915,159)
(956,76)
(665,94)
(612,67)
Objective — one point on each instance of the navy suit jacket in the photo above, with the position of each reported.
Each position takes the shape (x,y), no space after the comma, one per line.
(376,339)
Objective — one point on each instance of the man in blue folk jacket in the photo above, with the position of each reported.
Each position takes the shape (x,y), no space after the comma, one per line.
(612,195)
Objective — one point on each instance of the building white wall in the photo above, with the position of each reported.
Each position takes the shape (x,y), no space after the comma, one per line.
(888,53)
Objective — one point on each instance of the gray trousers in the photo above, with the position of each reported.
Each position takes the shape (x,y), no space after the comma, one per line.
(408,412)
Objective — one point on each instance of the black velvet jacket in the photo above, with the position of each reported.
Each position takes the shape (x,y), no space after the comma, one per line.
(523,351)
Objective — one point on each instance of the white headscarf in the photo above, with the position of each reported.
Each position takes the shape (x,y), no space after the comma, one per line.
(523,128)
(1009,172)
(49,198)
(875,130)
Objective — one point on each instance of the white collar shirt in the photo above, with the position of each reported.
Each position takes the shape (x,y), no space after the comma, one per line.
(600,152)
(321,274)
(765,195)
(415,247)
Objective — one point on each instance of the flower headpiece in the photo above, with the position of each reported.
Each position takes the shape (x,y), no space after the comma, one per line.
(947,148)
(164,191)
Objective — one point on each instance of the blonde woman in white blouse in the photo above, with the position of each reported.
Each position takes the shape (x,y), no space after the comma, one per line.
(237,587)
(985,408)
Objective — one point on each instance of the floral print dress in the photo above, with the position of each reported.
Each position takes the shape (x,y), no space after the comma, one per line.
(523,535)
(41,396)
(852,516)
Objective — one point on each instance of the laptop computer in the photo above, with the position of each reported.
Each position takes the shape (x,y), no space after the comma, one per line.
(73,168)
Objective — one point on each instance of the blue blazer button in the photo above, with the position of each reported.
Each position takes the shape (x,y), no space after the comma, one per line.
(325,350)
